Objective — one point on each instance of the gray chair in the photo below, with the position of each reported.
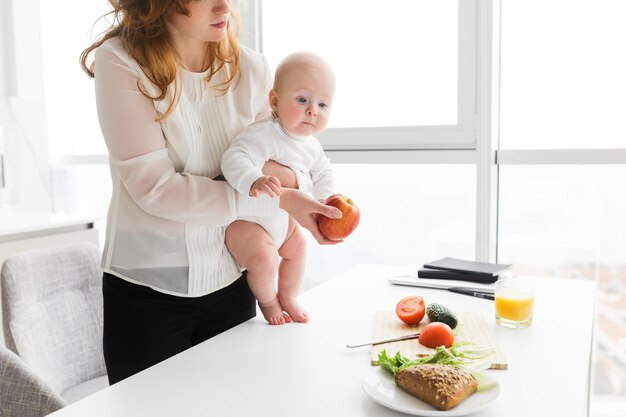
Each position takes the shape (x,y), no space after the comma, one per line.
(22,392)
(52,316)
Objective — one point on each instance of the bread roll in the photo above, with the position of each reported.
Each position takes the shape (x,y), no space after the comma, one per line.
(442,386)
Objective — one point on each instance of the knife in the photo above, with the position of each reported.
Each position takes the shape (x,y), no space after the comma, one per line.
(474,292)
(480,292)
(381,341)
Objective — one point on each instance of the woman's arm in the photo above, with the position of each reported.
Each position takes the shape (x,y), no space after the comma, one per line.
(138,152)
(305,211)
(299,205)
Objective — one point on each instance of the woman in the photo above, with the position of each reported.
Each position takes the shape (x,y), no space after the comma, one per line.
(173,87)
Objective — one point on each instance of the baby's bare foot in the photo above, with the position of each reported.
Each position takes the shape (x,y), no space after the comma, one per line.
(295,311)
(273,312)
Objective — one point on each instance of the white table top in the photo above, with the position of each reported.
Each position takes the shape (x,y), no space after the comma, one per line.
(306,370)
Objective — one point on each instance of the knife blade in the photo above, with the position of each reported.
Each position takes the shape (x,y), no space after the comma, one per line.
(381,341)
(480,292)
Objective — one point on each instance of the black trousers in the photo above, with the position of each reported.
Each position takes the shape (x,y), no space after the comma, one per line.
(143,327)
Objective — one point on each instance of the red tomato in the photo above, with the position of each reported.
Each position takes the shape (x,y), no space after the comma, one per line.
(436,334)
(411,309)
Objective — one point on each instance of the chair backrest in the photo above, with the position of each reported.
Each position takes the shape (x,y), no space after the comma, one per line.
(22,392)
(52,312)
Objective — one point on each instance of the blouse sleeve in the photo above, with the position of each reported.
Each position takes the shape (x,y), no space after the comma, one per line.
(138,152)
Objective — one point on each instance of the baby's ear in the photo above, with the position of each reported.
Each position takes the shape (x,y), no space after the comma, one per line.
(273,99)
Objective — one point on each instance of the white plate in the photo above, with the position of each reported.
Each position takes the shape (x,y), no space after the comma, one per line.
(378,383)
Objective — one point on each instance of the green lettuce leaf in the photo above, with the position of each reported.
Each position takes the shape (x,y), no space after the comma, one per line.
(465,355)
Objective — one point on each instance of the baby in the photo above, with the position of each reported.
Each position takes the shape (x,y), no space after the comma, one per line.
(301,98)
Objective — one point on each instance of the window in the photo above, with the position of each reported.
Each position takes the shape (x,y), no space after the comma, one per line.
(78,171)
(562,157)
(71,119)
(563,81)
(563,220)
(409,212)
(385,59)
(567,221)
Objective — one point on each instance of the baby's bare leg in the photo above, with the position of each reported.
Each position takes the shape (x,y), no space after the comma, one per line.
(291,272)
(254,249)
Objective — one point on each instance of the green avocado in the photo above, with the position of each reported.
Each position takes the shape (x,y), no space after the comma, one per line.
(437,312)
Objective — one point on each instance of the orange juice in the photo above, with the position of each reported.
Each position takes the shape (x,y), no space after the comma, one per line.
(514,304)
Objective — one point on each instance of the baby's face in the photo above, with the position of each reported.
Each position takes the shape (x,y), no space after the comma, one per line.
(303,100)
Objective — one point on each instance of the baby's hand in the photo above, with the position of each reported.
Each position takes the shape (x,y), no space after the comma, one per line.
(266,184)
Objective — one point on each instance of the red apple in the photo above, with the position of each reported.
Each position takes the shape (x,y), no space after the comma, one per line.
(339,229)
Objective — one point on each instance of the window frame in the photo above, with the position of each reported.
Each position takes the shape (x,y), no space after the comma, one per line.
(458,136)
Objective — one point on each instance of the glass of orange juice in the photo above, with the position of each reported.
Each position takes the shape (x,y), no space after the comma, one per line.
(514,299)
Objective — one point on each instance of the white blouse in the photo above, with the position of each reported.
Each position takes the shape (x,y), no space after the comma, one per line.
(166,220)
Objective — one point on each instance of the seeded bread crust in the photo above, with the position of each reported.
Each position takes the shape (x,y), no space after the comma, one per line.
(442,386)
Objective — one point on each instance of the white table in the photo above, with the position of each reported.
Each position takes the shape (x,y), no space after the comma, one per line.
(306,370)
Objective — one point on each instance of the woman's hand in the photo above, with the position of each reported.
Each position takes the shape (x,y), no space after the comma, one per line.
(305,211)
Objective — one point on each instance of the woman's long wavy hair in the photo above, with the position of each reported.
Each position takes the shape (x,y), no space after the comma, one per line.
(141,27)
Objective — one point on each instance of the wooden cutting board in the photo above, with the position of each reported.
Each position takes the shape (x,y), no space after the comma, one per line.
(472,328)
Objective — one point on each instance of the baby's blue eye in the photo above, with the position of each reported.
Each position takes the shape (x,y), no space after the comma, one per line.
(323,105)
(301,100)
